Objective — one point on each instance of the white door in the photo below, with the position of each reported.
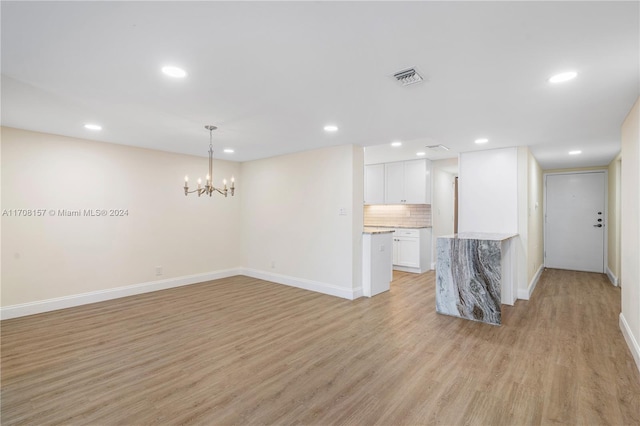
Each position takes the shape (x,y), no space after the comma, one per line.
(575,222)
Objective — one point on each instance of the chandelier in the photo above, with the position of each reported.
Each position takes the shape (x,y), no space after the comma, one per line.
(208,187)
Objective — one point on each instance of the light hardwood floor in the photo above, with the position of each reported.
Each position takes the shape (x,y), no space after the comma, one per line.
(245,351)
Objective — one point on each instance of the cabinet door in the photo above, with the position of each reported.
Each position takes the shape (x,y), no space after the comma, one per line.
(428,181)
(394,183)
(374,184)
(408,252)
(415,182)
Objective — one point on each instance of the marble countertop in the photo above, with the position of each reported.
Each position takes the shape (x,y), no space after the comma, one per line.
(490,236)
(376,230)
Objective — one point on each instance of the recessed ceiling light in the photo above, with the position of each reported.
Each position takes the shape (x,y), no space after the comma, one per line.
(421,154)
(229,150)
(396,143)
(563,76)
(174,72)
(482,140)
(576,152)
(330,128)
(95,127)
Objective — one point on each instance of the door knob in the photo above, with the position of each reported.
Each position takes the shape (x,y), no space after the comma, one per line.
(598,225)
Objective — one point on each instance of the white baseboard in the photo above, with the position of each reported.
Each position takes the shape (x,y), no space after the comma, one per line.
(612,277)
(525,294)
(40,306)
(320,287)
(408,269)
(357,293)
(631,340)
(31,308)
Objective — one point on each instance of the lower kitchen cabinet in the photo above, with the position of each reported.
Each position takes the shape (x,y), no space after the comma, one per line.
(412,249)
(406,252)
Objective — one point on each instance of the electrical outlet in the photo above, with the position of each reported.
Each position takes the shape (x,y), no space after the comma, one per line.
(273,264)
(158,271)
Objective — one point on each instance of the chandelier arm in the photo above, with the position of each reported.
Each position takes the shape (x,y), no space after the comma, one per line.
(186,191)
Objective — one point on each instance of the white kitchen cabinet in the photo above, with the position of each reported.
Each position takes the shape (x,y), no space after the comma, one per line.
(407,182)
(412,249)
(416,179)
(374,184)
(408,252)
(394,183)
(377,270)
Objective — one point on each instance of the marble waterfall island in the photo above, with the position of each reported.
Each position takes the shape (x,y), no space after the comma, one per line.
(475,275)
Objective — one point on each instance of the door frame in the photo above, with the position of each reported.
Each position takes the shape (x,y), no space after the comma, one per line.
(605,256)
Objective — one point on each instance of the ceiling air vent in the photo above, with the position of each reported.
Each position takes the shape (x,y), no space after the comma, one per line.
(438,147)
(408,77)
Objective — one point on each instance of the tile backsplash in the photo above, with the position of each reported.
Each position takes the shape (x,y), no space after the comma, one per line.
(398,215)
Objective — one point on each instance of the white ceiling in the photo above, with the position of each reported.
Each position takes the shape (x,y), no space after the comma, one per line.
(271,75)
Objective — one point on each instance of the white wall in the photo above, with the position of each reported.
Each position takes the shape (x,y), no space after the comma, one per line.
(494,190)
(630,230)
(613,220)
(292,230)
(52,257)
(488,191)
(535,216)
(522,241)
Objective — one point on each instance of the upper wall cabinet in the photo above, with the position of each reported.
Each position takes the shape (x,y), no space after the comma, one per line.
(374,184)
(408,182)
(403,182)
